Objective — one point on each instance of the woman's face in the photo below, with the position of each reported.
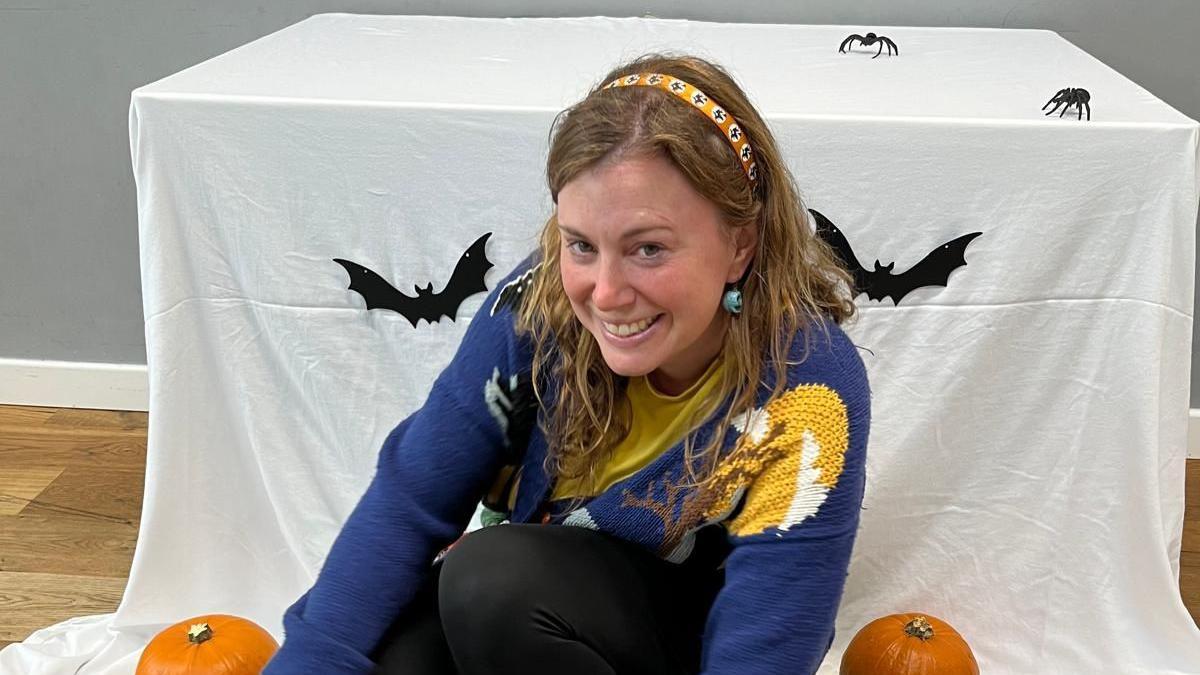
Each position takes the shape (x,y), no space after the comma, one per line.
(638,242)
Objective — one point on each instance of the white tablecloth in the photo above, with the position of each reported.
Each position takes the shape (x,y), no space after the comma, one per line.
(1026,463)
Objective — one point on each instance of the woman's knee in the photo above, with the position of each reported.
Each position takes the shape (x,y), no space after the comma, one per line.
(486,572)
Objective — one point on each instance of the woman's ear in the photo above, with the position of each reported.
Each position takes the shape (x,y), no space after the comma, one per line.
(746,243)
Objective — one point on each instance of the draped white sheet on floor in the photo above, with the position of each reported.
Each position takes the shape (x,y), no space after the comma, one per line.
(1026,460)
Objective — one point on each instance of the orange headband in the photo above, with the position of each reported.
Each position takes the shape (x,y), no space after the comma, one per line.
(698,99)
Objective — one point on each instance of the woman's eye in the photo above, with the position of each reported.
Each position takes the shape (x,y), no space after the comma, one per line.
(569,245)
(656,248)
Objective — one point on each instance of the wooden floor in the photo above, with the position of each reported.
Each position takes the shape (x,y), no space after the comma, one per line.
(70,500)
(71,494)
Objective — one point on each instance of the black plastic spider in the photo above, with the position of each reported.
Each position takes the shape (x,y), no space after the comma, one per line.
(869,40)
(1071,97)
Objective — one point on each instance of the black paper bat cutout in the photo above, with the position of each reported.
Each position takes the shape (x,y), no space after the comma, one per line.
(933,270)
(465,281)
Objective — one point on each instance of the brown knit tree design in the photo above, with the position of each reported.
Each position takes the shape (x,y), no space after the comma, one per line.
(710,501)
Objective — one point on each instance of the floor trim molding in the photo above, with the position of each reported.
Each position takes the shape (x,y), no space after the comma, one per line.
(1194,433)
(74,384)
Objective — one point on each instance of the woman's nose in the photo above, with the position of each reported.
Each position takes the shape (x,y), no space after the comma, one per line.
(611,290)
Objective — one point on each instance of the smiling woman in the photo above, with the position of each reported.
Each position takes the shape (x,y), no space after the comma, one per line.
(673,206)
(678,298)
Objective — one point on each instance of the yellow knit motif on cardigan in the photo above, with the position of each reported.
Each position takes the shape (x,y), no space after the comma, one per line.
(787,459)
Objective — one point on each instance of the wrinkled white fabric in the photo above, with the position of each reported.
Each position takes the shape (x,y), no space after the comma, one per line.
(1026,463)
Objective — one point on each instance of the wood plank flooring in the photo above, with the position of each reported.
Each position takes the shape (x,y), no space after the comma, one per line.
(70,500)
(71,494)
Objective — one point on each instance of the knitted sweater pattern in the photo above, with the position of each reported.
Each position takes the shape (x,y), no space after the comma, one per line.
(785,497)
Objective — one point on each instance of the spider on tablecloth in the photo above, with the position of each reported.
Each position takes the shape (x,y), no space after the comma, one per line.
(869,40)
(1071,97)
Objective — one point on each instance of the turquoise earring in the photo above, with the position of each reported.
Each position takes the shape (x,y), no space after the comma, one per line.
(732,301)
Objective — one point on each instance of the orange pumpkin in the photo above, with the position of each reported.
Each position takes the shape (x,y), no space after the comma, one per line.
(908,644)
(212,644)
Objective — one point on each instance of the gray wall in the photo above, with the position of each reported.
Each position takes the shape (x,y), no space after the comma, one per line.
(69,274)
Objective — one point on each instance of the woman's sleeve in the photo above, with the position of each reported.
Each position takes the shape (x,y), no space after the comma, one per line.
(432,470)
(793,534)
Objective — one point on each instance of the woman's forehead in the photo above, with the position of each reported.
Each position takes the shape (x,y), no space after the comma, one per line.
(627,215)
(623,231)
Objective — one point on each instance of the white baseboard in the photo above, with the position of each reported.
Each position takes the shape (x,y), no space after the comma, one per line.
(109,386)
(70,384)
(1194,433)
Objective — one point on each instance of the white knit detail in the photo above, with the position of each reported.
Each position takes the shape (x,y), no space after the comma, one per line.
(581,518)
(759,422)
(498,403)
(517,286)
(810,494)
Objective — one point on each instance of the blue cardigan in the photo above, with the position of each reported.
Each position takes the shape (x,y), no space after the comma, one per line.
(786,502)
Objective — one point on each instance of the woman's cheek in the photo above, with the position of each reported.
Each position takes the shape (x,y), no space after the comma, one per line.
(572,286)
(569,282)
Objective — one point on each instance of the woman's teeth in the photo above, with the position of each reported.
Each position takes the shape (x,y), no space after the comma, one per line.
(628,329)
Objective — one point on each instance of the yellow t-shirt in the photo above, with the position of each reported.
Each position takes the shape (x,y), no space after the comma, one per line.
(659,422)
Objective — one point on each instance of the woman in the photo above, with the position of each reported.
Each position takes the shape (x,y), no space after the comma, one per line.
(658,404)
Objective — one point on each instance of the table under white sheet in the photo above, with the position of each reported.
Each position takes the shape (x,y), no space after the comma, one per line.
(1026,459)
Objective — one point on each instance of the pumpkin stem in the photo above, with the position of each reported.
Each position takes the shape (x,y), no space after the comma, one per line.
(919,627)
(199,632)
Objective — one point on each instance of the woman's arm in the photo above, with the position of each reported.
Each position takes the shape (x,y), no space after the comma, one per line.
(432,470)
(794,533)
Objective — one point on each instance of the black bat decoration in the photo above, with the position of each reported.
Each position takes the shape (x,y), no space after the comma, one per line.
(465,281)
(933,270)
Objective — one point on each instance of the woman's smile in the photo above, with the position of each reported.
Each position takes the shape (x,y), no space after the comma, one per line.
(630,335)
(630,327)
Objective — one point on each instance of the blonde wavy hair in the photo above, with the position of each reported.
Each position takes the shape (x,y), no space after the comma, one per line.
(793,276)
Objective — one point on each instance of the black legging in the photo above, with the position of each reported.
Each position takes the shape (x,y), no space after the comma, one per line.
(529,599)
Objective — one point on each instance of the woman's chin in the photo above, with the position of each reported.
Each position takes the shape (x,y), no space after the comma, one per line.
(623,364)
(627,365)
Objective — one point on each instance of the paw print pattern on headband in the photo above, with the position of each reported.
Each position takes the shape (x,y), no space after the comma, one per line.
(699,100)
